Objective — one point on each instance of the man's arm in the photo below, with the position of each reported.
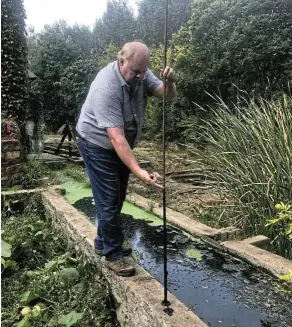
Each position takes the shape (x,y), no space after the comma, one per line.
(121,145)
(170,85)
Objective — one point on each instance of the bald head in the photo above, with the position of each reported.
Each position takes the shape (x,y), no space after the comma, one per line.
(134,61)
(134,50)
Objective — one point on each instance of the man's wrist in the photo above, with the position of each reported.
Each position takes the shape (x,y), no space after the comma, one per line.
(171,80)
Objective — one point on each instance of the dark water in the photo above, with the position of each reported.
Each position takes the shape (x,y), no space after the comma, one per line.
(223,291)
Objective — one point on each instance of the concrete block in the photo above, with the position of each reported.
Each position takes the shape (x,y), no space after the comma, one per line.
(271,262)
(259,241)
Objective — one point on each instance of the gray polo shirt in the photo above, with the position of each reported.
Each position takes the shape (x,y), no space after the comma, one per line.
(111,102)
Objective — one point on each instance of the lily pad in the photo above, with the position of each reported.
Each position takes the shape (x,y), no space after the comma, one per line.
(194,254)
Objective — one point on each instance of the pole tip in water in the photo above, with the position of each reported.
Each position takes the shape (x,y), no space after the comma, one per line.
(166,303)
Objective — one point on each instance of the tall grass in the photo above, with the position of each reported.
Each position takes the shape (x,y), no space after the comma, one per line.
(250,152)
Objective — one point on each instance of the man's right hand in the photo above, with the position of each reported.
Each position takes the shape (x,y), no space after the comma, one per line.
(149,179)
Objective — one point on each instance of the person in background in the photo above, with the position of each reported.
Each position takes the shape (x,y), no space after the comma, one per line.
(109,126)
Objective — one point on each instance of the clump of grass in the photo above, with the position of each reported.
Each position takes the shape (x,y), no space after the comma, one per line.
(250,153)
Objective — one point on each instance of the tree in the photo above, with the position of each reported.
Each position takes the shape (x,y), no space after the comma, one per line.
(116,26)
(14,59)
(74,85)
(227,46)
(151,19)
(61,49)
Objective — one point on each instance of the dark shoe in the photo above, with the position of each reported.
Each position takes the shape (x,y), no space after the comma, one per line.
(121,267)
(126,251)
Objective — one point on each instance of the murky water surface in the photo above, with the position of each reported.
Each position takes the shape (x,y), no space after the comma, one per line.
(223,291)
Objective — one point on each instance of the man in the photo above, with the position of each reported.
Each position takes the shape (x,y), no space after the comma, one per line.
(109,126)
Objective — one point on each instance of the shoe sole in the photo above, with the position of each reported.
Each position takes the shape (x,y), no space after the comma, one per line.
(125,252)
(126,274)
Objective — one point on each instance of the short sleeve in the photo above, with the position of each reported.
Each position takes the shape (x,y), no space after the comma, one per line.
(152,82)
(107,107)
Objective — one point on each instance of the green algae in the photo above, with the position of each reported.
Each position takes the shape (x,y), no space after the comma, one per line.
(194,254)
(76,191)
(138,213)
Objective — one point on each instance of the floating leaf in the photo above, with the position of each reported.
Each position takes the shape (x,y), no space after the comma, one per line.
(5,249)
(70,319)
(194,254)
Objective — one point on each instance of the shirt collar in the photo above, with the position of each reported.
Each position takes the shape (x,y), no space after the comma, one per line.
(118,73)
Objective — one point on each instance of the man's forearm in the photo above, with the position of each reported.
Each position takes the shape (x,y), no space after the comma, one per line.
(126,154)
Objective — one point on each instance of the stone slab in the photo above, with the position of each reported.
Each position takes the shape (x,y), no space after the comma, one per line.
(55,188)
(192,226)
(139,297)
(271,262)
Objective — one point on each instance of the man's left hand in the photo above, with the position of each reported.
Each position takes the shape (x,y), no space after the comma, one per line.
(169,74)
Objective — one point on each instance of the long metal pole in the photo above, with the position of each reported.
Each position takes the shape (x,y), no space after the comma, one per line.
(165,301)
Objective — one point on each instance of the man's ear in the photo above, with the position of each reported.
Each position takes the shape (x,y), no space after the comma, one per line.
(121,61)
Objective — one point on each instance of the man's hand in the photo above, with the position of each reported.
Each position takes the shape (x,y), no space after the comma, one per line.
(169,74)
(149,179)
(170,85)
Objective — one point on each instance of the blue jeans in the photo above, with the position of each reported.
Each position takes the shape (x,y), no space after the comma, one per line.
(109,177)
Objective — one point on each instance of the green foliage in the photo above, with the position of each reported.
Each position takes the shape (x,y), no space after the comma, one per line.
(74,86)
(14,59)
(28,296)
(283,222)
(50,286)
(5,255)
(286,283)
(70,319)
(249,153)
(33,174)
(108,55)
(287,278)
(5,249)
(226,47)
